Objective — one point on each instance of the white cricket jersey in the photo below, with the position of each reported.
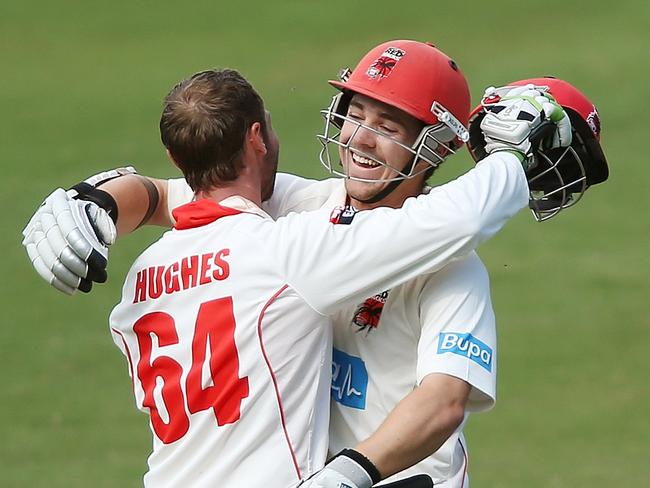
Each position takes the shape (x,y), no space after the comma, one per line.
(282,279)
(384,347)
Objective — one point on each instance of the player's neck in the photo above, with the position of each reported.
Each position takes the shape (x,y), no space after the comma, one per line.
(393,200)
(239,187)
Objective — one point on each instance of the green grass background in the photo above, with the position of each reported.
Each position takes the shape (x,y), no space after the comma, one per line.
(81,84)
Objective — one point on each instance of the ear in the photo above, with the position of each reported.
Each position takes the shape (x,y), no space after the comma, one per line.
(255,138)
(171,158)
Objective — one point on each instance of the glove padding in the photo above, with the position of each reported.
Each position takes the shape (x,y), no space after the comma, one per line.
(523,118)
(67,242)
(348,468)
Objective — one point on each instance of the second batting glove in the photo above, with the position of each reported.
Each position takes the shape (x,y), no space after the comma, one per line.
(522,118)
(348,468)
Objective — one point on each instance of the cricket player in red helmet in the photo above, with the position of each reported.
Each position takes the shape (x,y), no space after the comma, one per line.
(424,84)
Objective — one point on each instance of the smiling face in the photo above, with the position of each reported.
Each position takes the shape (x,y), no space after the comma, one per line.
(361,148)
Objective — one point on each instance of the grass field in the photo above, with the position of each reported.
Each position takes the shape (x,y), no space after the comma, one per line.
(81,90)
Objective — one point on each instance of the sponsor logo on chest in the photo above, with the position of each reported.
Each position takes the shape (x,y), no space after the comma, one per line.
(466,345)
(349,380)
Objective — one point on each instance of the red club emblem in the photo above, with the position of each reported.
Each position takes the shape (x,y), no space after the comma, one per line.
(368,313)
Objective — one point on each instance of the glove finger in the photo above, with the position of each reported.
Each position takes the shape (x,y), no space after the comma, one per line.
(50,260)
(517,91)
(85,285)
(70,231)
(563,135)
(97,268)
(549,109)
(44,272)
(59,285)
(565,132)
(60,247)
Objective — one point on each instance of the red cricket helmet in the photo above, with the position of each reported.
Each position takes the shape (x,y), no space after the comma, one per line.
(560,176)
(416,78)
(411,76)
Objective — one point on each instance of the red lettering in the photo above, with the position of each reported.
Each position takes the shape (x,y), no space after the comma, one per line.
(172,283)
(189,271)
(213,349)
(223,268)
(215,327)
(164,367)
(155,281)
(205,267)
(140,286)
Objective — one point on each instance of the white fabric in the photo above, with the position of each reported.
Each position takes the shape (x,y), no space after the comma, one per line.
(377,366)
(399,353)
(327,268)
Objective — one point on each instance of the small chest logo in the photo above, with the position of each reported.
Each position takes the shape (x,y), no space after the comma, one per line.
(466,345)
(343,215)
(367,315)
(384,64)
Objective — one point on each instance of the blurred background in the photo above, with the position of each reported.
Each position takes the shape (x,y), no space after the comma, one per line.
(81,87)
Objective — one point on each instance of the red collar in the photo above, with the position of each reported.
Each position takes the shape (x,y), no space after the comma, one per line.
(199,213)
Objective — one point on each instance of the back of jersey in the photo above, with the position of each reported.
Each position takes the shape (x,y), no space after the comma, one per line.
(228,361)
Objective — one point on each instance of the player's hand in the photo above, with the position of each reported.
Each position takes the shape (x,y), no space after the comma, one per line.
(348,468)
(67,242)
(523,118)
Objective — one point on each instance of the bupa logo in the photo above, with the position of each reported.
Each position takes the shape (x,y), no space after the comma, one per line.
(349,380)
(466,345)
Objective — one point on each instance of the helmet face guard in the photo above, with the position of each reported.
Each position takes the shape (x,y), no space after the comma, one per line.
(433,144)
(559,177)
(556,180)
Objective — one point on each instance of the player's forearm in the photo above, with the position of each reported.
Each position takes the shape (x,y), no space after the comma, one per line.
(418,425)
(134,199)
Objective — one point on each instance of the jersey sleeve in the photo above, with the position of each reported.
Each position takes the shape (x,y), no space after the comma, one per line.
(178,193)
(458,335)
(331,265)
(293,193)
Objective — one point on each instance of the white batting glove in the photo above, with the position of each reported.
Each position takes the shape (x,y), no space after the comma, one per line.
(67,242)
(348,469)
(521,118)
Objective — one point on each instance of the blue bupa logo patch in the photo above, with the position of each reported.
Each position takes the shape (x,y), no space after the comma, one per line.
(466,345)
(349,380)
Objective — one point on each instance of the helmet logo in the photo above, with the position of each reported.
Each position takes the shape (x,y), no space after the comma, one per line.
(384,64)
(593,121)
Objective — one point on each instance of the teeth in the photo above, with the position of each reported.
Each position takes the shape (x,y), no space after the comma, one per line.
(364,161)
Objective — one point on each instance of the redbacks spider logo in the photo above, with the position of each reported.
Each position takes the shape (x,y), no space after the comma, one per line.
(384,64)
(367,315)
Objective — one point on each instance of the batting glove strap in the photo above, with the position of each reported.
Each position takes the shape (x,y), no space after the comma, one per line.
(85,191)
(348,469)
(356,467)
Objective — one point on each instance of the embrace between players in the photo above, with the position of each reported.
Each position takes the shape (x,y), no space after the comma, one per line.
(273,296)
